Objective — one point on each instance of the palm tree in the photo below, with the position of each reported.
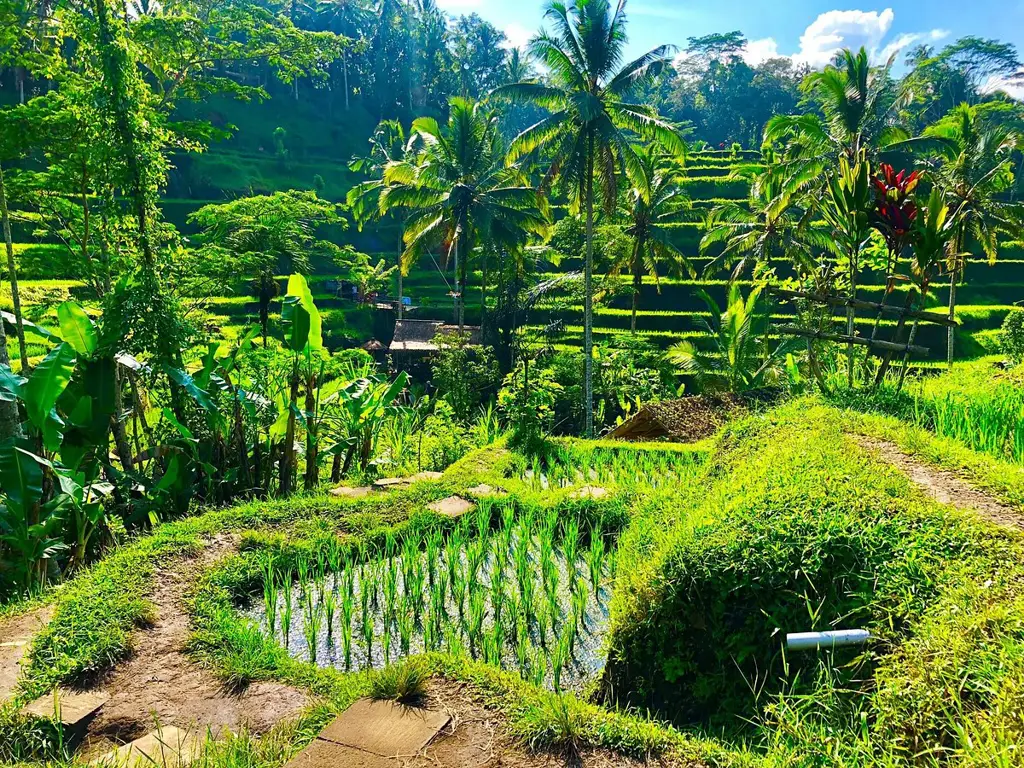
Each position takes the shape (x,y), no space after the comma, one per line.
(348,18)
(859,104)
(518,67)
(970,161)
(388,145)
(460,194)
(774,222)
(591,122)
(740,359)
(657,201)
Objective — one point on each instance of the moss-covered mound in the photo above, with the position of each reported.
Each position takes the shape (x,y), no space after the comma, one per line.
(798,529)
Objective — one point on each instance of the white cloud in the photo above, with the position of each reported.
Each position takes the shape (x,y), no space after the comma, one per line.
(517,36)
(906,40)
(758,51)
(834,30)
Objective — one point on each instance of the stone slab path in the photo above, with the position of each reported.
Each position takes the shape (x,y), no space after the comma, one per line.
(326,754)
(168,747)
(387,483)
(74,707)
(455,731)
(453,506)
(385,728)
(372,734)
(347,492)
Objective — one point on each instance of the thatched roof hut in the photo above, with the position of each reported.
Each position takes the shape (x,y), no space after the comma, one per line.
(417,336)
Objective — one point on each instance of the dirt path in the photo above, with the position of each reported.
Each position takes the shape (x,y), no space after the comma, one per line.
(15,637)
(944,486)
(160,684)
(477,737)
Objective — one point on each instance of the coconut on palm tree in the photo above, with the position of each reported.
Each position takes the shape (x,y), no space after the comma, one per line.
(459,194)
(592,124)
(651,206)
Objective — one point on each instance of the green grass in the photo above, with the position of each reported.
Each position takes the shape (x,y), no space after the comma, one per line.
(977,405)
(795,528)
(404,682)
(779,522)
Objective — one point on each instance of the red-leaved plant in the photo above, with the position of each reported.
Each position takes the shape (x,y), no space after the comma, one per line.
(895,208)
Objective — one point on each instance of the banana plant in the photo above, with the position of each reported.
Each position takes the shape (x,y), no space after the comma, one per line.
(221,461)
(50,473)
(304,339)
(363,406)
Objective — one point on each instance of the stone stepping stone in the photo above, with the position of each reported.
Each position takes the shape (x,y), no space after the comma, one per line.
(385,728)
(485,490)
(387,483)
(75,707)
(453,506)
(326,754)
(590,492)
(168,747)
(345,492)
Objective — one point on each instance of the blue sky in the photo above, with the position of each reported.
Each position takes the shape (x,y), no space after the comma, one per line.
(807,30)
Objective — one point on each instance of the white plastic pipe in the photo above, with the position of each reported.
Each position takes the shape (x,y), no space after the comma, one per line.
(813,641)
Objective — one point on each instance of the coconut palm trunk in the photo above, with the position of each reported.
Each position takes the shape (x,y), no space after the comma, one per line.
(588,297)
(12,274)
(483,293)
(462,269)
(850,319)
(344,74)
(954,278)
(637,285)
(401,247)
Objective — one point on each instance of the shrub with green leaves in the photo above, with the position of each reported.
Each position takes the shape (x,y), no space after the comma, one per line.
(527,401)
(464,374)
(1011,338)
